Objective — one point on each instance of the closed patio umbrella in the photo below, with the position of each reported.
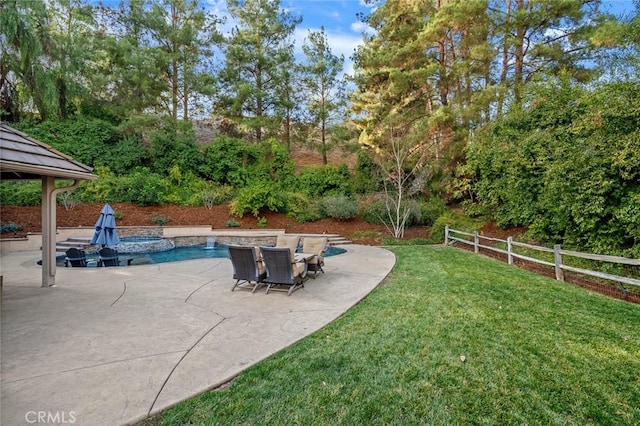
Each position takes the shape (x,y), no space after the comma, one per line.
(106,234)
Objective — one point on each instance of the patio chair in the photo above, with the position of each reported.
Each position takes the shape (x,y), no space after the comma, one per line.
(282,269)
(109,257)
(290,241)
(76,258)
(316,246)
(247,267)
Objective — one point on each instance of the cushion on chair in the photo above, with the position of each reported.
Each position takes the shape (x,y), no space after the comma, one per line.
(315,245)
(298,269)
(290,241)
(258,253)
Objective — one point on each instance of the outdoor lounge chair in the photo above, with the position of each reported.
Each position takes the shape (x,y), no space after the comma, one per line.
(282,269)
(247,267)
(317,246)
(109,257)
(77,258)
(290,241)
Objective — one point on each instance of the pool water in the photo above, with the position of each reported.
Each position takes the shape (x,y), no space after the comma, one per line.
(183,253)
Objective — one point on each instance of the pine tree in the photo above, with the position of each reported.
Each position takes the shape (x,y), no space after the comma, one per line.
(326,90)
(258,54)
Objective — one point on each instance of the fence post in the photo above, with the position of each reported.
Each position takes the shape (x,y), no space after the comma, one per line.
(446,235)
(509,248)
(475,241)
(557,258)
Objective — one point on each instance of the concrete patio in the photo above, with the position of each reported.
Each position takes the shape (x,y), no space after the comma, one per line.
(110,346)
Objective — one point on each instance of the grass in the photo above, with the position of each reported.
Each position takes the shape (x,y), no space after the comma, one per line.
(536,352)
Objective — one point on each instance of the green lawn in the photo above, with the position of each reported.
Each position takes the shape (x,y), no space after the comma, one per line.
(536,352)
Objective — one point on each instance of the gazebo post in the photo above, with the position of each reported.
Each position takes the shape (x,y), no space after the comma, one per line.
(49,227)
(48,232)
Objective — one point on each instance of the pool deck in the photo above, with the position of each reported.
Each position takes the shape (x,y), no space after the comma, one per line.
(110,346)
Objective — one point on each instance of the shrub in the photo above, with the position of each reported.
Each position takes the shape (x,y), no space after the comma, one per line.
(431,210)
(68,199)
(159,219)
(436,235)
(175,145)
(9,227)
(454,220)
(21,193)
(226,161)
(275,164)
(215,195)
(375,211)
(367,175)
(232,224)
(339,207)
(262,222)
(144,189)
(257,196)
(299,207)
(318,181)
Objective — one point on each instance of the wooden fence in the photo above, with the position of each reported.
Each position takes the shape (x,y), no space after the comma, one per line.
(475,239)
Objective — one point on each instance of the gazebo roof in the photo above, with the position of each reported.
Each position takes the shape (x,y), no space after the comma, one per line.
(22,157)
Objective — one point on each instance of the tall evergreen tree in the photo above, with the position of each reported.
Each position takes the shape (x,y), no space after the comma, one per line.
(326,90)
(538,36)
(130,77)
(258,56)
(184,33)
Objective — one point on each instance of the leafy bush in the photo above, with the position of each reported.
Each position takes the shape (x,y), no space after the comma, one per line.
(275,164)
(85,139)
(299,207)
(455,220)
(143,188)
(374,210)
(232,224)
(431,210)
(567,167)
(6,227)
(184,188)
(159,220)
(127,154)
(257,196)
(318,181)
(366,178)
(227,161)
(339,207)
(25,193)
(175,145)
(214,195)
(68,199)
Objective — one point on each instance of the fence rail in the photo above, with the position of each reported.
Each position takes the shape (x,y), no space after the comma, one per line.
(474,239)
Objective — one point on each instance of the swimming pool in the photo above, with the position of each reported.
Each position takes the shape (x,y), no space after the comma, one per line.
(182,253)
